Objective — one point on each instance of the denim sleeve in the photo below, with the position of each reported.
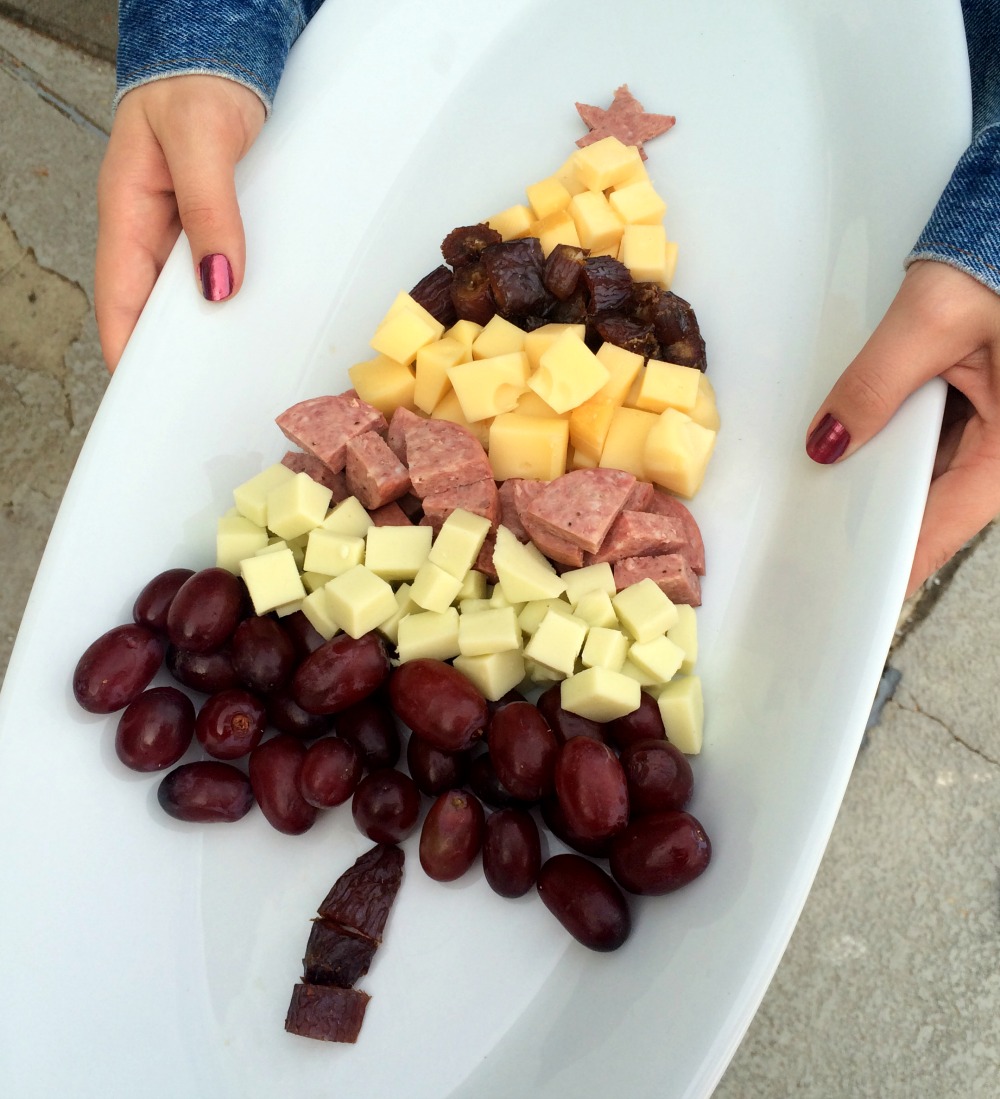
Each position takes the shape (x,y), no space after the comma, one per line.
(245,40)
(964,229)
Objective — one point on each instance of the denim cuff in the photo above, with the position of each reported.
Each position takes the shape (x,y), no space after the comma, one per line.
(964,230)
(245,40)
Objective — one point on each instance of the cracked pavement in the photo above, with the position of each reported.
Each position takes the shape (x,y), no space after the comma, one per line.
(890,987)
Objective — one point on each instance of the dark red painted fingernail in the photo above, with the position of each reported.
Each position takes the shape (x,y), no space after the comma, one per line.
(828,441)
(216,277)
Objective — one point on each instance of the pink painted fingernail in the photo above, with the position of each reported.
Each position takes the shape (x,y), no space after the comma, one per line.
(216,277)
(828,441)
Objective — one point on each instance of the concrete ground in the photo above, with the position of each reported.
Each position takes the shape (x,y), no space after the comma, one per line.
(891,985)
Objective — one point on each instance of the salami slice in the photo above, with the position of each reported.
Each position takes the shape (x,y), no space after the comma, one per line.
(442,455)
(395,436)
(671,572)
(481,498)
(374,474)
(321,426)
(581,505)
(390,515)
(662,503)
(639,534)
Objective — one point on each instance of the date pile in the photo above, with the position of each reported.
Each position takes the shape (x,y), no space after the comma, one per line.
(299,725)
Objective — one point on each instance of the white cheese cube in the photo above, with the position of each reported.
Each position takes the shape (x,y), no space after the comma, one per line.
(296,506)
(660,658)
(494,673)
(332,553)
(683,711)
(467,606)
(316,608)
(685,633)
(459,541)
(430,634)
(540,674)
(600,694)
(251,496)
(348,517)
(272,580)
(596,610)
(474,586)
(433,588)
(488,631)
(644,610)
(237,537)
(532,613)
(404,606)
(604,648)
(579,582)
(396,553)
(359,600)
(557,641)
(523,571)
(644,679)
(313,581)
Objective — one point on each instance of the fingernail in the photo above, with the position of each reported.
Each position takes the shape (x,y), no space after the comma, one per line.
(216,277)
(828,441)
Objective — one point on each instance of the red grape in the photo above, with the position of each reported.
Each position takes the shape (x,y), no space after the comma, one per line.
(331,771)
(438,703)
(512,852)
(155,729)
(591,788)
(585,900)
(275,768)
(153,602)
(386,805)
(206,792)
(452,835)
(205,610)
(230,723)
(117,668)
(660,852)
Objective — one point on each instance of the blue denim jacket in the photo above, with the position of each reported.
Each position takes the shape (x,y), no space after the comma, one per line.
(249,40)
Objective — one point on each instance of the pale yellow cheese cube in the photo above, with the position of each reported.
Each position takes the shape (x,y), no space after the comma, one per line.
(512,223)
(383,383)
(684,632)
(296,506)
(316,608)
(589,424)
(705,411)
(528,446)
(458,543)
(359,601)
(430,381)
(348,517)
(624,445)
(596,609)
(542,338)
(488,631)
(389,627)
(272,579)
(251,496)
(498,337)
(450,408)
(623,367)
(638,203)
(471,604)
(638,174)
(643,678)
(644,252)
(644,610)
(433,588)
(604,163)
(530,404)
(397,553)
(539,675)
(312,581)
(670,264)
(532,613)
(557,228)
(289,608)
(333,553)
(557,641)
(600,694)
(667,385)
(659,657)
(499,599)
(604,648)
(580,582)
(429,635)
(568,373)
(524,573)
(493,673)
(404,331)
(682,708)
(597,225)
(578,460)
(474,586)
(547,196)
(676,452)
(569,177)
(465,331)
(488,387)
(237,537)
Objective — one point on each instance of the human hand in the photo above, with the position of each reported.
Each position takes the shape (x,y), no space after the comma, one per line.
(170,165)
(942,323)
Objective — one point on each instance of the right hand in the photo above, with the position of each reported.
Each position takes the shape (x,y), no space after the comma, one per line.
(170,165)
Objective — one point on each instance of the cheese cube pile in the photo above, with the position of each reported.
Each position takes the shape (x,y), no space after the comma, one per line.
(424,596)
(542,403)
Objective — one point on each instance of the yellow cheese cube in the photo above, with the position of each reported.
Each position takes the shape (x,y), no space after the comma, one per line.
(359,601)
(428,634)
(596,609)
(578,460)
(604,648)
(600,694)
(579,582)
(498,599)
(548,196)
(430,381)
(465,332)
(667,385)
(469,605)
(312,581)
(523,572)
(682,708)
(512,223)
(623,367)
(474,586)
(569,177)
(498,337)
(433,588)
(383,383)
(542,338)
(389,627)
(644,610)
(494,630)
(494,673)
(251,496)
(316,608)
(332,553)
(638,203)
(450,408)
(670,264)
(644,253)
(487,387)
(568,373)
(532,613)
(557,228)
(272,579)
(676,452)
(348,517)
(588,427)
(296,505)
(638,174)
(528,446)
(404,331)
(705,411)
(624,445)
(660,657)
(684,633)
(604,163)
(598,226)
(557,641)
(643,678)
(458,543)
(530,404)
(396,553)
(237,537)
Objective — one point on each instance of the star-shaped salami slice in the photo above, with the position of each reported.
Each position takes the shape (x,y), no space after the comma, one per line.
(625,119)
